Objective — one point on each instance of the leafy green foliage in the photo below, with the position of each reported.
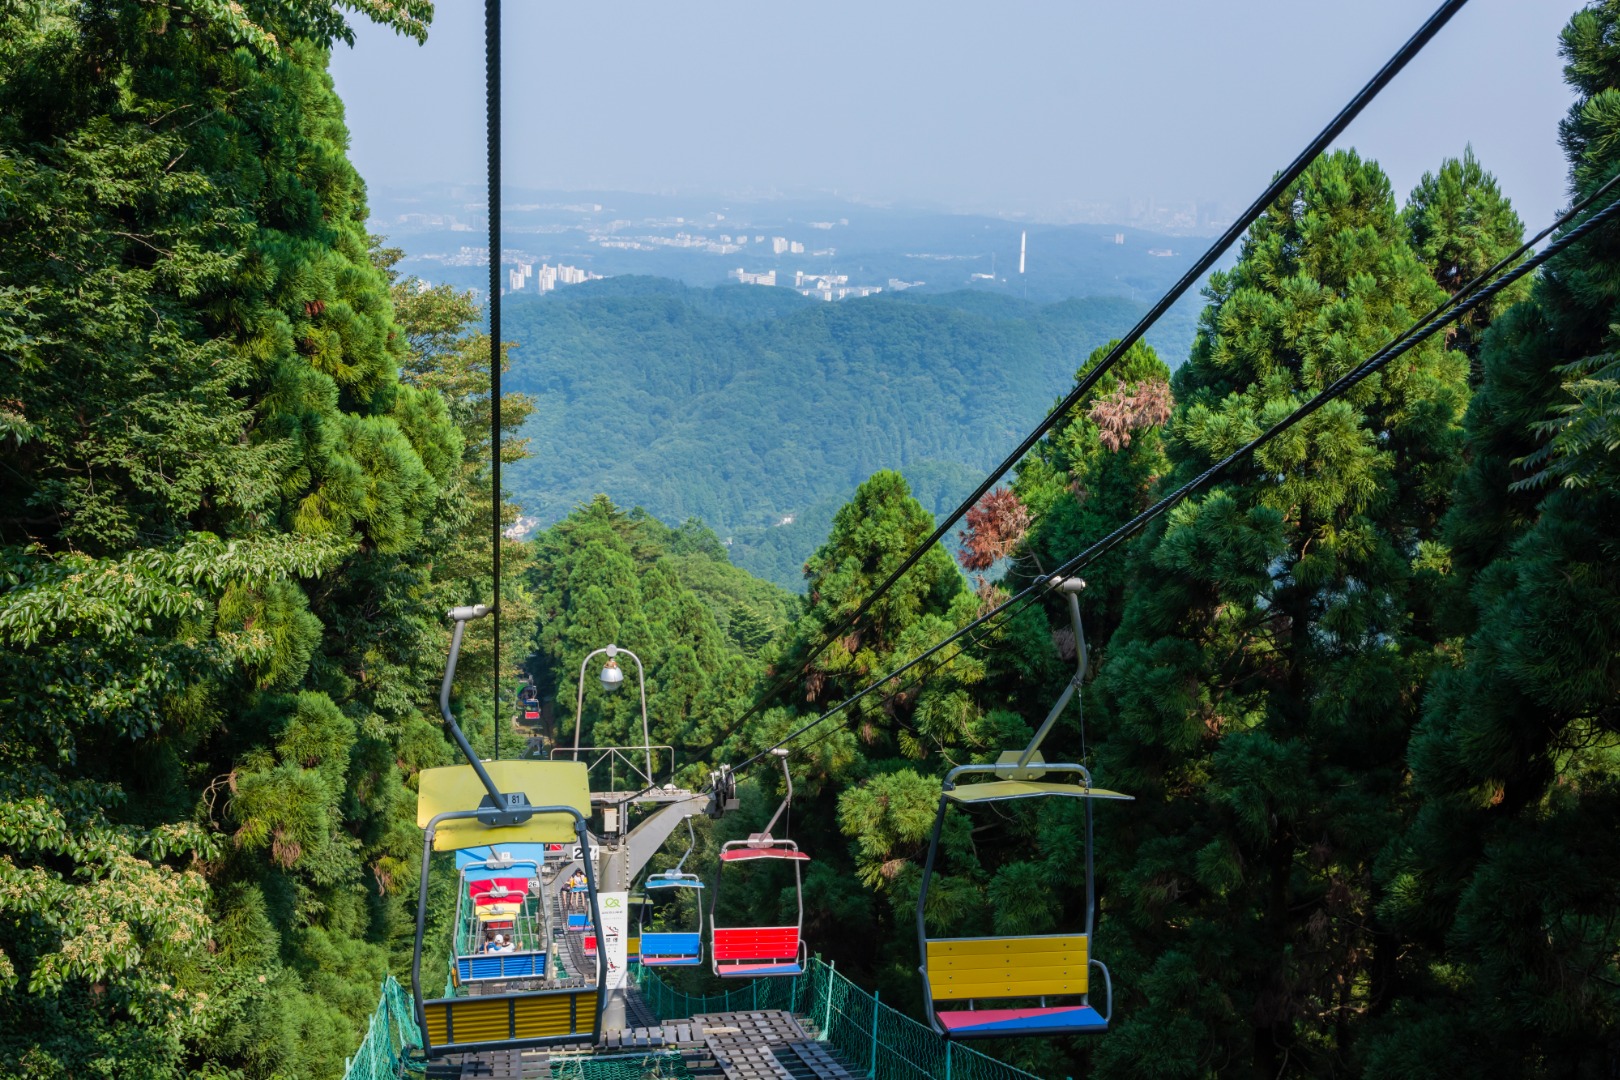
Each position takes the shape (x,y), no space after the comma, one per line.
(1095,470)
(1364,689)
(673,598)
(228,532)
(1582,436)
(1461,224)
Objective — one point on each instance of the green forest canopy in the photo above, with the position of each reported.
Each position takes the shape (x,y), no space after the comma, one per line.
(745,406)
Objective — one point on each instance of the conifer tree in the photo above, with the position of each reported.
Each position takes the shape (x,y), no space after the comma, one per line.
(602,576)
(1097,468)
(871,534)
(1461,224)
(1506,881)
(1261,686)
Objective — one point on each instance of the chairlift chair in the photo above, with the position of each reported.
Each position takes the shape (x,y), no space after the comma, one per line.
(746,952)
(496,896)
(491,806)
(663,948)
(1037,984)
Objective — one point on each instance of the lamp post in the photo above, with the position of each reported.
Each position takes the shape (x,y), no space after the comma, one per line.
(612,679)
(614,872)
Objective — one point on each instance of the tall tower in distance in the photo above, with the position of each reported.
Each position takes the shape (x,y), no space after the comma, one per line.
(1023,245)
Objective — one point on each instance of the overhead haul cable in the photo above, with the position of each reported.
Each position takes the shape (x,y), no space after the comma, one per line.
(1464,300)
(1194,274)
(492,115)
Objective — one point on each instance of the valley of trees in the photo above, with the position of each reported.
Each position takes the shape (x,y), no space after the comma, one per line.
(743,406)
(1363,688)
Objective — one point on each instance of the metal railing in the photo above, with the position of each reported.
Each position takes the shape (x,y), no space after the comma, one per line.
(883,1043)
(621,765)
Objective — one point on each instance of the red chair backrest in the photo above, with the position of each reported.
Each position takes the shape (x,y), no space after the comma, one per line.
(757,943)
(516,888)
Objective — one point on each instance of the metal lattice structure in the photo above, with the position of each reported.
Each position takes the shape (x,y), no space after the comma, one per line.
(668,1003)
(392,1028)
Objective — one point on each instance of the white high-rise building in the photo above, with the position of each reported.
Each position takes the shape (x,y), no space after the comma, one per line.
(550,277)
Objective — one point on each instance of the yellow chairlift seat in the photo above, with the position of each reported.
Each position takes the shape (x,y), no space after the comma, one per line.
(502,1021)
(546,783)
(1017,975)
(1002,790)
(463,1024)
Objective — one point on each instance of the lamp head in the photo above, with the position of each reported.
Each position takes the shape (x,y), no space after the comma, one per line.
(612,676)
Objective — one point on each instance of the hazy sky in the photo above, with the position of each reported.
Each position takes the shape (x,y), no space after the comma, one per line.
(1017,106)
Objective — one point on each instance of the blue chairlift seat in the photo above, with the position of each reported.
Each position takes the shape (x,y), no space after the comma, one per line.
(672,948)
(523,965)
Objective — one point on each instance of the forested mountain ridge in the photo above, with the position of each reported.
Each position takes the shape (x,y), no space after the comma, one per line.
(745,406)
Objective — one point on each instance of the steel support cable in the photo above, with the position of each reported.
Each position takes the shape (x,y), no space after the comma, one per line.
(492,117)
(1459,304)
(1345,382)
(1194,274)
(961,640)
(1420,328)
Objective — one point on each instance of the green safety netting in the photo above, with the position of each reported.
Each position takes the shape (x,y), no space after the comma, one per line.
(630,1067)
(670,1004)
(393,1027)
(884,1044)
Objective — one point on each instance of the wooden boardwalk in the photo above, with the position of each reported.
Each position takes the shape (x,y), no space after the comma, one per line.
(764,1044)
(767,1043)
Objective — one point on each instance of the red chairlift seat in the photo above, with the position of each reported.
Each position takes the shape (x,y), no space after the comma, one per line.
(743,952)
(742,854)
(746,952)
(491,890)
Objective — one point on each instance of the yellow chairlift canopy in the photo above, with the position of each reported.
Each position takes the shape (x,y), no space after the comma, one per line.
(999,790)
(546,783)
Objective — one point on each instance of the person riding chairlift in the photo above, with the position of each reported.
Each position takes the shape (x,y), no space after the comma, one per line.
(499,944)
(573,889)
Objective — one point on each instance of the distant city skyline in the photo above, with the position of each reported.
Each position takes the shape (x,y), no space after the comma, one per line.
(1045,110)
